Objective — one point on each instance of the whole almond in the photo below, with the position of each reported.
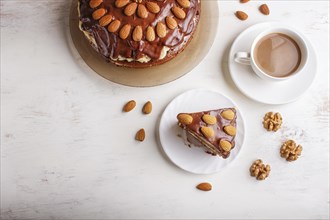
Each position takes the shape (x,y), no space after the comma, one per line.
(130,9)
(178,12)
(184,3)
(225,145)
(153,7)
(105,20)
(98,13)
(121,3)
(230,130)
(185,119)
(209,119)
(207,132)
(114,26)
(204,186)
(124,31)
(228,114)
(142,11)
(140,135)
(264,9)
(129,106)
(161,29)
(137,33)
(244,1)
(147,108)
(171,22)
(241,15)
(95,3)
(150,34)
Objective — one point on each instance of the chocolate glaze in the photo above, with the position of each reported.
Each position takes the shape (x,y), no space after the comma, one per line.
(110,45)
(219,133)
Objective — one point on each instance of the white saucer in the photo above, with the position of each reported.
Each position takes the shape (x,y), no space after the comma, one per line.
(259,89)
(194,159)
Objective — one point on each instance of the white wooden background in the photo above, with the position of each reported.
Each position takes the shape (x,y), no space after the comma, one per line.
(68,152)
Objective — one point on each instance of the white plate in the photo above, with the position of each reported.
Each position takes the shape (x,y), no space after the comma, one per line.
(195,159)
(261,90)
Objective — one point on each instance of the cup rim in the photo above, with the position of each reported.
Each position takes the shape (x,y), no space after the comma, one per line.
(284,30)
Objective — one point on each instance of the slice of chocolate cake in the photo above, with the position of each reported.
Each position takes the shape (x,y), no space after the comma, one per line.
(214,130)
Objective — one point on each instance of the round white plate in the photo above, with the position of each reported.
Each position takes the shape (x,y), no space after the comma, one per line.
(262,90)
(195,159)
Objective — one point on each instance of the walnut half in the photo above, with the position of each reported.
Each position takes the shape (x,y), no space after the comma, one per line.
(290,150)
(259,170)
(272,121)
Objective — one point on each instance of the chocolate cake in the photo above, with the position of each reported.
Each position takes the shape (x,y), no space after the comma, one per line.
(214,130)
(139,33)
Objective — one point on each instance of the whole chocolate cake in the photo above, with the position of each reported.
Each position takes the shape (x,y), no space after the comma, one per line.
(139,33)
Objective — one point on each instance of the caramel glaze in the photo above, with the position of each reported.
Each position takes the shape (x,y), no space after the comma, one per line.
(219,133)
(110,45)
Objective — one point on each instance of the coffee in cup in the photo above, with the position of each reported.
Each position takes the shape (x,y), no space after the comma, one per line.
(276,54)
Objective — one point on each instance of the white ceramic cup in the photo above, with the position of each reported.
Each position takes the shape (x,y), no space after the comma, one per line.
(247,58)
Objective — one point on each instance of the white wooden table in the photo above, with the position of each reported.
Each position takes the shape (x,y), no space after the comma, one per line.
(67,150)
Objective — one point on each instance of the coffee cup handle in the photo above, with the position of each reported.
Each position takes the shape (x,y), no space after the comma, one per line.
(243,58)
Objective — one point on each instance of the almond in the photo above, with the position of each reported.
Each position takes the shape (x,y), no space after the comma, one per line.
(185,119)
(209,119)
(264,9)
(153,7)
(171,22)
(228,114)
(244,1)
(130,9)
(95,3)
(137,33)
(147,108)
(114,26)
(121,3)
(204,186)
(98,13)
(150,34)
(225,145)
(184,3)
(129,106)
(178,12)
(230,130)
(241,15)
(142,11)
(207,132)
(140,135)
(124,31)
(161,29)
(105,20)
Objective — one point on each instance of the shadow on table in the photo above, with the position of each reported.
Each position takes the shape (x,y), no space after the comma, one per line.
(225,67)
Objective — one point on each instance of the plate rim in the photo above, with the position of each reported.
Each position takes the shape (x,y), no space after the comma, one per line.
(203,90)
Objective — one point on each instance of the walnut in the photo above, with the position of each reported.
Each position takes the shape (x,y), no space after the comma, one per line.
(259,170)
(272,121)
(290,150)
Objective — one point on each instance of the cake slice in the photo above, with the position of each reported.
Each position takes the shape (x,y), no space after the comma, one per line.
(213,130)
